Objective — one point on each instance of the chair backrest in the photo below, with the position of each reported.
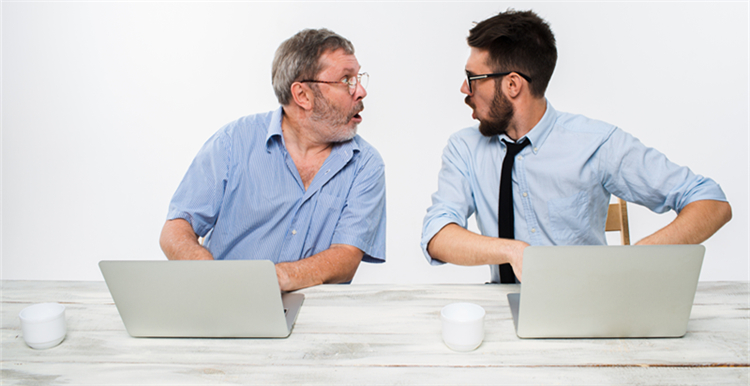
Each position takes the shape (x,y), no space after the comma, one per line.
(617,220)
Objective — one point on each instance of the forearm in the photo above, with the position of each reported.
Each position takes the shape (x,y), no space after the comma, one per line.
(456,245)
(696,222)
(179,242)
(337,264)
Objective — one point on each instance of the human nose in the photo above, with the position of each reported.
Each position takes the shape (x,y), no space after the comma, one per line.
(465,87)
(360,92)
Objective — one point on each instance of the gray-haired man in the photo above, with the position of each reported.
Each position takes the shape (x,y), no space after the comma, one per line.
(297,185)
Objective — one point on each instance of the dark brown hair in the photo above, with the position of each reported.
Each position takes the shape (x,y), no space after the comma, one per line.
(518,41)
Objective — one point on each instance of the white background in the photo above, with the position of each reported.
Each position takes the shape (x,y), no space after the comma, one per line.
(104,105)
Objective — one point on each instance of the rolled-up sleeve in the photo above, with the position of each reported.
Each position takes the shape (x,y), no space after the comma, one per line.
(199,196)
(643,175)
(363,220)
(453,202)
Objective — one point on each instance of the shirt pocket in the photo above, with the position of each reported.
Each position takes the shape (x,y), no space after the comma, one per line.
(328,209)
(569,219)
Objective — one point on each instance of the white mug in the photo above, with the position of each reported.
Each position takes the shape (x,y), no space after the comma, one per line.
(463,326)
(43,325)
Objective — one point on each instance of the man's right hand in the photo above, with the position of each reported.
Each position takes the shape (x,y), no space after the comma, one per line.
(515,256)
(456,245)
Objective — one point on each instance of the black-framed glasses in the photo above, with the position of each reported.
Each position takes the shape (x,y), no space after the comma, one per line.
(470,77)
(351,81)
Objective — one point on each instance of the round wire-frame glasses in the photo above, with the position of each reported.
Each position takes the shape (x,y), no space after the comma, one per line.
(350,81)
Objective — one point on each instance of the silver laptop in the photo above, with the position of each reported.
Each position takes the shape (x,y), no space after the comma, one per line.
(606,291)
(201,299)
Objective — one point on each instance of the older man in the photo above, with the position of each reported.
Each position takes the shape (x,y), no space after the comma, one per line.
(536,176)
(297,185)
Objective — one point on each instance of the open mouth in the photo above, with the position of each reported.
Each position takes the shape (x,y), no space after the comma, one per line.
(356,117)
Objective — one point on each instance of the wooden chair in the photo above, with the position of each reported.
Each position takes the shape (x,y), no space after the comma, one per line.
(617,220)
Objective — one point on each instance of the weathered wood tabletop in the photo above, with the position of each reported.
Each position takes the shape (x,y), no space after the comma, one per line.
(372,334)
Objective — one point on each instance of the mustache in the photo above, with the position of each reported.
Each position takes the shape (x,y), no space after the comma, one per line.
(356,109)
(467,100)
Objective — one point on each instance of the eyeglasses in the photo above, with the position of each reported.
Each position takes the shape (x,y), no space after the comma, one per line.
(470,77)
(351,81)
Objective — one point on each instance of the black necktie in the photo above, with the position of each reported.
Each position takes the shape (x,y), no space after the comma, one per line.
(505,208)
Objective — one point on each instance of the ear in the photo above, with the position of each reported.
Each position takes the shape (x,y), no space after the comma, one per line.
(302,96)
(514,84)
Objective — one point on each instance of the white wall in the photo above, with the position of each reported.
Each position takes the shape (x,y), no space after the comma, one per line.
(104,105)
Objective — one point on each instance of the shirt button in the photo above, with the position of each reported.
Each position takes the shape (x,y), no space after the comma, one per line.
(533,230)
(519,158)
(294,231)
(536,150)
(525,194)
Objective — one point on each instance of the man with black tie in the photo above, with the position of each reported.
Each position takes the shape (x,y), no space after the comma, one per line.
(536,176)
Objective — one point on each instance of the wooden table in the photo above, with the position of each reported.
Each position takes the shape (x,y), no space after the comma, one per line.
(372,334)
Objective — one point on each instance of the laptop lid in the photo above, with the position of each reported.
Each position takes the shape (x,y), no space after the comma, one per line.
(606,291)
(201,299)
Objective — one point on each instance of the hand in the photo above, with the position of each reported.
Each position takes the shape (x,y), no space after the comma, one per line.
(515,257)
(283,276)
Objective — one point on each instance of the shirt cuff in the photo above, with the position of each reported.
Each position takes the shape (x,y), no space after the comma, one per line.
(372,254)
(430,230)
(175,214)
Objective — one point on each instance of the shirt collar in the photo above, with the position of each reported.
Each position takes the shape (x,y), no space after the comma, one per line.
(539,133)
(274,127)
(345,149)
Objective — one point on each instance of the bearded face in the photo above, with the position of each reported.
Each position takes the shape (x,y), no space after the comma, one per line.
(499,117)
(334,122)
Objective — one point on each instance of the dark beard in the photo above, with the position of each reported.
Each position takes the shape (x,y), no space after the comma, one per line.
(501,113)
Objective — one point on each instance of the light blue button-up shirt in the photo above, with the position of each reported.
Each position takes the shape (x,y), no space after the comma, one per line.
(562,182)
(244,187)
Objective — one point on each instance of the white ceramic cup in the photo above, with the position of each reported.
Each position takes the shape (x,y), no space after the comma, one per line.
(463,326)
(43,325)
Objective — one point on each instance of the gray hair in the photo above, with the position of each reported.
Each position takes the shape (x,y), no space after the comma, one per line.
(298,58)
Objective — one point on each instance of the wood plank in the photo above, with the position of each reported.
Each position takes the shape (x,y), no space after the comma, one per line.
(282,374)
(373,334)
(387,350)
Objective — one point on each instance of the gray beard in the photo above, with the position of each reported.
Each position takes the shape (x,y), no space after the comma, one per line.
(331,122)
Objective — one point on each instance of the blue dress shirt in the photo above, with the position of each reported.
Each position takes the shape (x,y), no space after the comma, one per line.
(562,181)
(244,187)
